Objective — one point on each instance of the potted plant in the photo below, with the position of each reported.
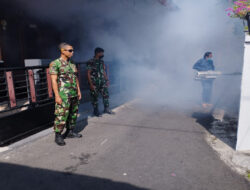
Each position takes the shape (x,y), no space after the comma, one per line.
(241,9)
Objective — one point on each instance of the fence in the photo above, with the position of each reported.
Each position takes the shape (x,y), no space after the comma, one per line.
(24,88)
(27,100)
(29,87)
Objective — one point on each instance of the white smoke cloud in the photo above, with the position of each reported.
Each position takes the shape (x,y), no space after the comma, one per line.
(156,46)
(159,47)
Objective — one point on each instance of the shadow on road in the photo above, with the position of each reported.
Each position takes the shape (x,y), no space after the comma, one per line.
(81,125)
(22,177)
(225,130)
(23,124)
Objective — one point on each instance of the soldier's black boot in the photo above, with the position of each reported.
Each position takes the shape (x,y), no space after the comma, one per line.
(59,139)
(96,112)
(108,111)
(70,134)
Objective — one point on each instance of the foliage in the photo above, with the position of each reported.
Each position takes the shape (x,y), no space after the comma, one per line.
(240,9)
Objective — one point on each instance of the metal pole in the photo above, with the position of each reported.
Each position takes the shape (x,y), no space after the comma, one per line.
(11,89)
(32,86)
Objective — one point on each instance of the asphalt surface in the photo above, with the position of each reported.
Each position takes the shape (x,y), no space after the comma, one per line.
(141,147)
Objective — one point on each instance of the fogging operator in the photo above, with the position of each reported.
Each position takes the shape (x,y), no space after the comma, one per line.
(206,64)
(67,94)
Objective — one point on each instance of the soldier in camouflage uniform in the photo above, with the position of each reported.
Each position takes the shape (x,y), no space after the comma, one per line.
(98,81)
(67,94)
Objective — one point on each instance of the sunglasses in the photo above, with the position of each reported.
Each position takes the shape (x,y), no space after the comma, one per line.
(69,50)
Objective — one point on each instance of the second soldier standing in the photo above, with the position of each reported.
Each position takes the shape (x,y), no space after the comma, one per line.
(98,81)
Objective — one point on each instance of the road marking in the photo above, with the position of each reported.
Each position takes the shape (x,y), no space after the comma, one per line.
(3,149)
(7,158)
(103,142)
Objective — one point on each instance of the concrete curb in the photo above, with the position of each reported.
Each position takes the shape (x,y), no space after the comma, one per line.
(237,161)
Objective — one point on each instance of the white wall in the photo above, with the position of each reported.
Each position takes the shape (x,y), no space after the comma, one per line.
(243,138)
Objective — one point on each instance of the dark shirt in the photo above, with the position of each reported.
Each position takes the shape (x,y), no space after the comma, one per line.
(96,67)
(204,65)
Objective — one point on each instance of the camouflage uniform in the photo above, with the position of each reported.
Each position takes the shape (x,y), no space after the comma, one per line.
(96,66)
(66,113)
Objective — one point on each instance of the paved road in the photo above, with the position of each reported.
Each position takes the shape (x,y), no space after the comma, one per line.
(141,147)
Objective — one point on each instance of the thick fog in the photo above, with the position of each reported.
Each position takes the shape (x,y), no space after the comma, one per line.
(155,45)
